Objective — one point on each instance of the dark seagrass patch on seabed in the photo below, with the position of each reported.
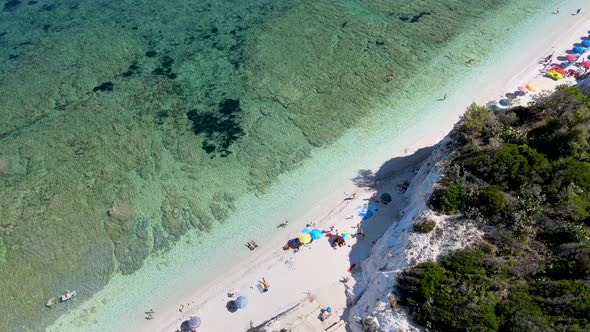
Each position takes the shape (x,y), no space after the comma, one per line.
(104,87)
(165,68)
(11,5)
(133,69)
(415,18)
(221,128)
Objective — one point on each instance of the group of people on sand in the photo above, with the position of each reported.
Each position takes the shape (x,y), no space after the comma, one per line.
(150,314)
(251,245)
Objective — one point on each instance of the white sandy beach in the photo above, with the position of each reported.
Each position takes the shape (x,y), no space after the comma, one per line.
(314,272)
(311,277)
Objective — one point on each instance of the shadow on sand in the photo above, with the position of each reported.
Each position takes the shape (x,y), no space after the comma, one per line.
(386,180)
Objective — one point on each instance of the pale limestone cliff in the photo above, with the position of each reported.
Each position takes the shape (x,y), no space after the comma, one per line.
(373,297)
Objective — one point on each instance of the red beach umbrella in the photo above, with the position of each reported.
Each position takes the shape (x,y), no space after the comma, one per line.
(585,64)
(522,89)
(571,57)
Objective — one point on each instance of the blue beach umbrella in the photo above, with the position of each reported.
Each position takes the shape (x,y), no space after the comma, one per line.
(241,302)
(578,49)
(586,43)
(194,322)
(306,231)
(316,234)
(231,307)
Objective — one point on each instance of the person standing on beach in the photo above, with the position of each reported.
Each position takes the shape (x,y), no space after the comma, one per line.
(578,11)
(556,12)
(549,57)
(359,231)
(444,97)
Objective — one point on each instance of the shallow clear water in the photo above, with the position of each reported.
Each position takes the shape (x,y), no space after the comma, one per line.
(127,124)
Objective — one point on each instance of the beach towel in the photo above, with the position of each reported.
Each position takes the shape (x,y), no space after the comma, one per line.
(363,211)
(367,211)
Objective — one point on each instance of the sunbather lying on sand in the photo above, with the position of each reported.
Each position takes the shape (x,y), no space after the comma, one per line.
(265,285)
(251,245)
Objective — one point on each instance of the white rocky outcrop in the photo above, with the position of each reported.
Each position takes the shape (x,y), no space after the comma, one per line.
(374,306)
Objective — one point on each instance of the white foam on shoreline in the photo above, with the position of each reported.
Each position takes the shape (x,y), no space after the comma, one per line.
(309,191)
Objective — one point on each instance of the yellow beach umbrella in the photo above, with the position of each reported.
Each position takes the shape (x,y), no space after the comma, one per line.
(531,87)
(305,238)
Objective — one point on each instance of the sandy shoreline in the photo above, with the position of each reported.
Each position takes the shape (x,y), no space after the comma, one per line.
(317,269)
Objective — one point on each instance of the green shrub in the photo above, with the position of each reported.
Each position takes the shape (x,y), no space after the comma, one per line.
(477,124)
(464,262)
(425,226)
(450,199)
(572,261)
(491,200)
(448,300)
(517,165)
(386,198)
(565,126)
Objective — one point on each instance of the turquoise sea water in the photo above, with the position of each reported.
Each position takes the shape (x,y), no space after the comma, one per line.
(128,124)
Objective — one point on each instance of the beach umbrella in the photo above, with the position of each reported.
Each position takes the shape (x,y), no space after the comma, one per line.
(345,235)
(585,64)
(194,322)
(306,231)
(316,234)
(531,87)
(185,326)
(304,238)
(232,306)
(578,49)
(241,302)
(522,89)
(586,43)
(571,57)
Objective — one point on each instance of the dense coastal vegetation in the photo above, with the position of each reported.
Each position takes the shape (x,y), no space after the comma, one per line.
(523,176)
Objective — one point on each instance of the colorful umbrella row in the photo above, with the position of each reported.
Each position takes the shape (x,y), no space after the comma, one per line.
(308,235)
